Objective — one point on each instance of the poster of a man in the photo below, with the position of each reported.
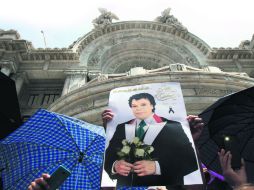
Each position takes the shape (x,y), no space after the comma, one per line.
(169,151)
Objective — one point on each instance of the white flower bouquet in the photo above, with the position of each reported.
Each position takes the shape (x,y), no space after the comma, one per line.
(135,150)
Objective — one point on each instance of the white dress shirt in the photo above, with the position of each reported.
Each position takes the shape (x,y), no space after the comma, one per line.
(151,129)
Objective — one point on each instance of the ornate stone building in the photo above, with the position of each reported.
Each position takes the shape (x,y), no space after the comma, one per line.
(77,80)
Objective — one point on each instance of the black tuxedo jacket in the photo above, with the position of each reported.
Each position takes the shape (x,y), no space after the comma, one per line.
(172,149)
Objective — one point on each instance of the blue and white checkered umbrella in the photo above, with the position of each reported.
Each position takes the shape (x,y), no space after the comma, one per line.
(48,140)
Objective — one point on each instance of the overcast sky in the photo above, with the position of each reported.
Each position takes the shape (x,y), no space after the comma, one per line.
(220,23)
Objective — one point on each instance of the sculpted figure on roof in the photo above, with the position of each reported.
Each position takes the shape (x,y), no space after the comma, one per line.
(104,19)
(166,18)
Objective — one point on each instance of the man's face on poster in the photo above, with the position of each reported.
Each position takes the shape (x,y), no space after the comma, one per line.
(142,108)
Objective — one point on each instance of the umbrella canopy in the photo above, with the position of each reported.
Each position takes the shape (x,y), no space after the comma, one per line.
(231,115)
(48,140)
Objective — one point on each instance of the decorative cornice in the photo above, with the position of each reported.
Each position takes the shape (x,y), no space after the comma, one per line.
(231,53)
(178,67)
(29,53)
(75,72)
(79,45)
(202,83)
(50,54)
(14,45)
(244,51)
(13,34)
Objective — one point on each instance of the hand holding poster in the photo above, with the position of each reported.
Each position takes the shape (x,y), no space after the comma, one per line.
(148,141)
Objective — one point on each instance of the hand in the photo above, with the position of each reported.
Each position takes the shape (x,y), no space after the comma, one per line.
(157,188)
(233,177)
(196,126)
(161,188)
(122,167)
(107,115)
(144,167)
(40,183)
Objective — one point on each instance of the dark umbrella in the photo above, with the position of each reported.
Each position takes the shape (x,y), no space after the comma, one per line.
(48,140)
(232,115)
(10,117)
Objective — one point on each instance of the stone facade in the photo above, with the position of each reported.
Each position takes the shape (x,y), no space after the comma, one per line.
(77,80)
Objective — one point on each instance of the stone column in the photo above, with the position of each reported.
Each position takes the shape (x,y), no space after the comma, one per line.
(20,79)
(74,80)
(66,85)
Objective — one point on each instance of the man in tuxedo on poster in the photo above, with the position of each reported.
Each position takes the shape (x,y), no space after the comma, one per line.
(173,154)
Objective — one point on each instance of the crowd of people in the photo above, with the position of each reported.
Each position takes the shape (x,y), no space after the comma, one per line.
(234,179)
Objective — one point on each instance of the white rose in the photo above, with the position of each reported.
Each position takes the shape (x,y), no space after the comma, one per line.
(135,140)
(124,142)
(126,149)
(139,152)
(151,149)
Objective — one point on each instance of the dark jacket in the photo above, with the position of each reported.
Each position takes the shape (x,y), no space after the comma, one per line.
(172,149)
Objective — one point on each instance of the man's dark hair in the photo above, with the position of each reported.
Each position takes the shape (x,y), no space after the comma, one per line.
(143,96)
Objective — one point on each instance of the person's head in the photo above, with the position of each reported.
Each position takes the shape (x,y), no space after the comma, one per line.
(142,105)
(247,186)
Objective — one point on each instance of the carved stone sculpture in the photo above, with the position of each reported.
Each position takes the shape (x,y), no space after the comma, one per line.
(104,19)
(166,18)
